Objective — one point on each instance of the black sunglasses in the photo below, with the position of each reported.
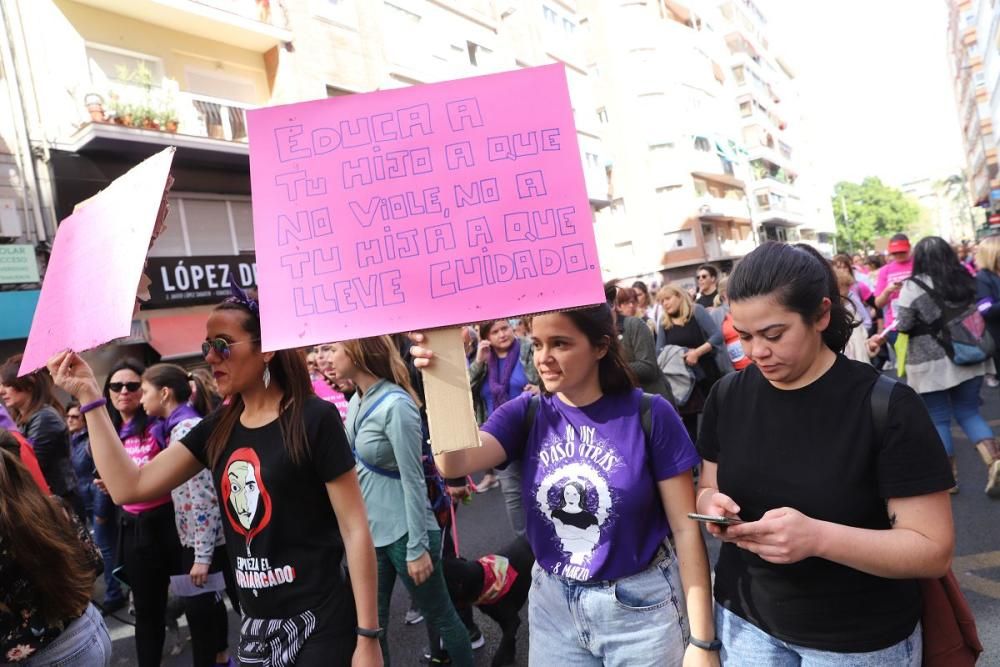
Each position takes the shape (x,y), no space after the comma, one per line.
(118,386)
(221,346)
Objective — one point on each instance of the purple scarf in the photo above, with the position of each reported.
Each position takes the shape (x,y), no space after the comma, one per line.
(498,379)
(163,427)
(5,420)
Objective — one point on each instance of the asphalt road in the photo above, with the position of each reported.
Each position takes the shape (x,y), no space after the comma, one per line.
(483,528)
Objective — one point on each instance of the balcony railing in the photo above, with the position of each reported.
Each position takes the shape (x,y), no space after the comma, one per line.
(156,108)
(209,117)
(719,207)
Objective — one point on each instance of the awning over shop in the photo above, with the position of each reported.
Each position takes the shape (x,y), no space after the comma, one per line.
(18,307)
(177,336)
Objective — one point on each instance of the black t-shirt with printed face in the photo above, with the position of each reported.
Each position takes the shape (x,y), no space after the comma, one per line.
(282,536)
(813,449)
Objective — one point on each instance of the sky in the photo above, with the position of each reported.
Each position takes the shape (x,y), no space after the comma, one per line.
(873,78)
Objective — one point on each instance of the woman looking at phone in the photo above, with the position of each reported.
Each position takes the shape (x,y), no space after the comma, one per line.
(839,522)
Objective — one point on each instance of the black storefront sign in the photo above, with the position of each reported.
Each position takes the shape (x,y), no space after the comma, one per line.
(185,281)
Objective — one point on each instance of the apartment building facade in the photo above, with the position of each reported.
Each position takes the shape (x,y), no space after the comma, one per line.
(677,173)
(95,86)
(974,64)
(789,195)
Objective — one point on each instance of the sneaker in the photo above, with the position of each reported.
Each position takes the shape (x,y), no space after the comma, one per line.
(439,658)
(993,480)
(476,637)
(992,381)
(486,483)
(413,616)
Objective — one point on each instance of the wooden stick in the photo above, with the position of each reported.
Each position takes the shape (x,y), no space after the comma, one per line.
(450,413)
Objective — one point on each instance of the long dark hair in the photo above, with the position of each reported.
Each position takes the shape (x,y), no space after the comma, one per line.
(613,372)
(798,278)
(934,257)
(37,383)
(290,373)
(140,419)
(43,543)
(179,381)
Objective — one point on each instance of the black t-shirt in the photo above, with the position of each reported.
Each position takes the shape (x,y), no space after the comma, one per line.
(282,536)
(813,449)
(706,300)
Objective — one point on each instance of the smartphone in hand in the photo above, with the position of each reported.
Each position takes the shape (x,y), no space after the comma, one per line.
(717,520)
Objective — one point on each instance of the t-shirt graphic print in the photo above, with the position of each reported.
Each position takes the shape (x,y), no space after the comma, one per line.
(592,507)
(574,495)
(248,509)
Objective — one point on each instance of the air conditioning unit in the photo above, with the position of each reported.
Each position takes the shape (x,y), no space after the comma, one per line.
(10,219)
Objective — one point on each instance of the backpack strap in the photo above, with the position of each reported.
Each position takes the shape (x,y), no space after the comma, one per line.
(531,413)
(881,393)
(721,388)
(385,472)
(646,416)
(936,298)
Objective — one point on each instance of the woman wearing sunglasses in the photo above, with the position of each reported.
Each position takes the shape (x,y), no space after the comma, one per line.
(149,547)
(284,476)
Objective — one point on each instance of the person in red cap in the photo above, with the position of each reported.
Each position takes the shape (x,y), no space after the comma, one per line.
(891,277)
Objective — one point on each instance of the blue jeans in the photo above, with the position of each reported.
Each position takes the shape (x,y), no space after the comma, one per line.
(510,485)
(84,643)
(962,402)
(636,621)
(743,643)
(106,538)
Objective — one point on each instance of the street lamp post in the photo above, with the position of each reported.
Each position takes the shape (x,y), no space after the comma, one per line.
(847,224)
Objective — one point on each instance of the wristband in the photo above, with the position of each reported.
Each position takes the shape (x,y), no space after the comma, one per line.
(84,409)
(713,645)
(373,634)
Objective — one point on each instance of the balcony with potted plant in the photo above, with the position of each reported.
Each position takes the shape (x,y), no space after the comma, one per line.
(134,108)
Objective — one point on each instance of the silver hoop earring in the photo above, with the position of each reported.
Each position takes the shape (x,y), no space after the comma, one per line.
(267,377)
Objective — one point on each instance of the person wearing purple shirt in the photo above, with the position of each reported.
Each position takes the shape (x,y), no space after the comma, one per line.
(605,505)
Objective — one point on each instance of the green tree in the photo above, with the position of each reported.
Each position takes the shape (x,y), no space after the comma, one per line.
(874,210)
(955,189)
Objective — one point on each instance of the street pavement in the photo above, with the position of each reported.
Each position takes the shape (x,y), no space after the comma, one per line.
(483,528)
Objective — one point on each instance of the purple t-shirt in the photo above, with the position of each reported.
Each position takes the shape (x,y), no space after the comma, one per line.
(592,508)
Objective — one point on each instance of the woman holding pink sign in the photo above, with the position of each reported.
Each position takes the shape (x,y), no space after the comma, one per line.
(599,459)
(284,476)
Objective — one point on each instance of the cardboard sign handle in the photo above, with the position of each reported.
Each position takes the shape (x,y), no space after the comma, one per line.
(450,413)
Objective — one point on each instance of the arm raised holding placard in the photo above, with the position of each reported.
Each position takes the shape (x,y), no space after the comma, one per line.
(598,480)
(125,481)
(465,461)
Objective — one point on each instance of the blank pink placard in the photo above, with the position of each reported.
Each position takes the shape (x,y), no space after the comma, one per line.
(420,207)
(88,293)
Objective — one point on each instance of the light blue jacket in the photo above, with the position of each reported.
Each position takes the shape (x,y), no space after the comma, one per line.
(389,437)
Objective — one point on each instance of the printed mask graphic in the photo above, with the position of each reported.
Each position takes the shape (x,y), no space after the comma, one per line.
(248,504)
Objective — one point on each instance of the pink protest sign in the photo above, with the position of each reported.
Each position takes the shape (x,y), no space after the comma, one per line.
(420,207)
(89,291)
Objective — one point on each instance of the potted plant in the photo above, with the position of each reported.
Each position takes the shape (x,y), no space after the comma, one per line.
(95,105)
(167,120)
(145,117)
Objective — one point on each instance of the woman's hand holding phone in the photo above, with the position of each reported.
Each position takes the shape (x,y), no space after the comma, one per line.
(718,504)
